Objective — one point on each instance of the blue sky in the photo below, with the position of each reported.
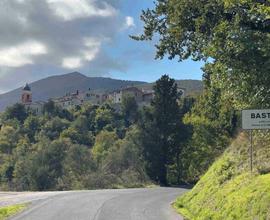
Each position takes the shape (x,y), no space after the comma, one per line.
(144,66)
(52,37)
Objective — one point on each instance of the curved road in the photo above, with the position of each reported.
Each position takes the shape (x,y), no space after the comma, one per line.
(126,204)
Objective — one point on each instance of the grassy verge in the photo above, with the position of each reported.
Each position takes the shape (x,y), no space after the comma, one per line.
(228,190)
(8,211)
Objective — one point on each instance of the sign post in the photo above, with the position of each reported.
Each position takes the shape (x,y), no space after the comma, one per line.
(256,119)
(251,150)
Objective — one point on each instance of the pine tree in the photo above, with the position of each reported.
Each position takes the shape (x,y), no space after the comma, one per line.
(161,129)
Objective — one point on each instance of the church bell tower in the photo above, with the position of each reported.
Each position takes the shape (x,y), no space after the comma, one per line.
(26,94)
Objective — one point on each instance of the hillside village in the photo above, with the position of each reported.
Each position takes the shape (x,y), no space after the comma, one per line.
(170,121)
(143,97)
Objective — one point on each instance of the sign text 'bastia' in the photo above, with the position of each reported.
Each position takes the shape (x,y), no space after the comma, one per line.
(256,119)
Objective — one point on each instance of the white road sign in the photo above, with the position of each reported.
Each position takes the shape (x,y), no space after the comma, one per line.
(256,119)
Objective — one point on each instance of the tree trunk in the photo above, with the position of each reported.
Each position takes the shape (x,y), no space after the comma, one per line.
(164,161)
(178,166)
(163,175)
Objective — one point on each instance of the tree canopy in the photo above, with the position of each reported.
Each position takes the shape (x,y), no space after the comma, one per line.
(233,37)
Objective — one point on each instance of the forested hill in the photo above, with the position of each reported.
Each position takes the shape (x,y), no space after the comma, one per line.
(56,86)
(92,147)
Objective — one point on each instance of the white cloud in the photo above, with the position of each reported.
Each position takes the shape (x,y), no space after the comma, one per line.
(90,54)
(91,42)
(129,22)
(56,35)
(72,62)
(93,47)
(82,39)
(21,54)
(73,9)
(22,19)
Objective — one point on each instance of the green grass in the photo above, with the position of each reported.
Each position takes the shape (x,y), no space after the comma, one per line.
(228,190)
(8,211)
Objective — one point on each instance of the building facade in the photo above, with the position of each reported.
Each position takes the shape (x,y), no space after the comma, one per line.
(70,100)
(26,100)
(26,97)
(118,95)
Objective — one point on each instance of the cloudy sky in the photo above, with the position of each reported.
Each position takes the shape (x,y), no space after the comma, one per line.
(40,38)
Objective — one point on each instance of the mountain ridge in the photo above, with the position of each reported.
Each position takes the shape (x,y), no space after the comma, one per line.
(59,85)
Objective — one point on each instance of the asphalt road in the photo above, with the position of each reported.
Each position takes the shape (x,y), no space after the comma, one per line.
(126,204)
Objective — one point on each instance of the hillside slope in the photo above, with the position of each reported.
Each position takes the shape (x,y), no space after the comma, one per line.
(191,86)
(56,86)
(228,190)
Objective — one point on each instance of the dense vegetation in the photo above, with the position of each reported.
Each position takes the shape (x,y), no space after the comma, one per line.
(95,146)
(233,38)
(174,140)
(228,190)
(89,147)
(8,211)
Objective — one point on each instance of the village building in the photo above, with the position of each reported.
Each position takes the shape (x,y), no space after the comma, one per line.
(148,96)
(95,98)
(143,97)
(117,96)
(69,100)
(26,100)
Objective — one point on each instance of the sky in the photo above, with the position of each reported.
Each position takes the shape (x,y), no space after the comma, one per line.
(52,37)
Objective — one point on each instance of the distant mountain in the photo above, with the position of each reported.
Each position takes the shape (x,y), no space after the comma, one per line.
(56,86)
(191,86)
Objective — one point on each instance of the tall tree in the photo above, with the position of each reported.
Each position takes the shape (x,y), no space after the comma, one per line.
(161,129)
(129,108)
(32,125)
(16,111)
(8,139)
